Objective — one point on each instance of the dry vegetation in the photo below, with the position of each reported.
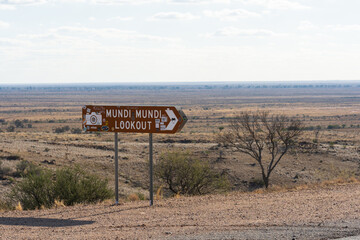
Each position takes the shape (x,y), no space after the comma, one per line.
(329,149)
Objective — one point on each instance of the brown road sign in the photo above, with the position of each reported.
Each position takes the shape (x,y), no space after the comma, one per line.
(138,119)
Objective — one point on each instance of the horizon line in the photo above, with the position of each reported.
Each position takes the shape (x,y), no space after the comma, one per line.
(179,83)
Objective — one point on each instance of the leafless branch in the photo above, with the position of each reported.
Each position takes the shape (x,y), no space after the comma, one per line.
(253,133)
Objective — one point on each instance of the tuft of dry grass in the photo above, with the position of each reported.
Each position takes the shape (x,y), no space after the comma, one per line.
(339,181)
(133,197)
(110,202)
(18,207)
(159,193)
(177,196)
(59,203)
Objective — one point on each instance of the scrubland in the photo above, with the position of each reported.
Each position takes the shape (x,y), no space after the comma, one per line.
(48,130)
(42,125)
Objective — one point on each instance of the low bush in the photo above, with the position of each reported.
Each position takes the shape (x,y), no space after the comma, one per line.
(4,171)
(181,173)
(74,185)
(135,197)
(5,205)
(18,123)
(62,129)
(35,190)
(40,188)
(10,129)
(333,126)
(76,131)
(25,167)
(13,157)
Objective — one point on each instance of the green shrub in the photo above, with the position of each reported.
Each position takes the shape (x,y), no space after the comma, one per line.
(335,126)
(6,205)
(18,123)
(184,174)
(35,190)
(40,188)
(141,196)
(73,185)
(10,129)
(13,157)
(4,170)
(76,131)
(62,129)
(24,167)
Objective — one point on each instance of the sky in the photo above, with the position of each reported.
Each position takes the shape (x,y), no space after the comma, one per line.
(88,41)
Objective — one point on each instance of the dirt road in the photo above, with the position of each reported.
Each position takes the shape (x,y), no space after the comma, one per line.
(319,213)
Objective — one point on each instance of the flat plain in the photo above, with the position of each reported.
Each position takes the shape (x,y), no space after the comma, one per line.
(328,150)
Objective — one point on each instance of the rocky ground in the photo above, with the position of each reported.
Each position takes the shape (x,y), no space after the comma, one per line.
(323,212)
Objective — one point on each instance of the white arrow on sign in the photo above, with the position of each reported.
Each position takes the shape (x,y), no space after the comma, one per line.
(173,119)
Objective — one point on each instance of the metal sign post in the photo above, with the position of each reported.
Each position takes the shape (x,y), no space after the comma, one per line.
(116,170)
(151,191)
(135,119)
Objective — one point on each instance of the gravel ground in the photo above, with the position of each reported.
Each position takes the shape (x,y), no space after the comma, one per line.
(319,213)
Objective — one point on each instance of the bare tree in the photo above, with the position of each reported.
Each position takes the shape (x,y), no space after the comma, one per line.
(266,138)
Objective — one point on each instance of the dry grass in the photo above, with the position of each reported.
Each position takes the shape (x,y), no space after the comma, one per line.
(5,206)
(333,182)
(133,197)
(207,111)
(339,181)
(59,204)
(159,193)
(18,207)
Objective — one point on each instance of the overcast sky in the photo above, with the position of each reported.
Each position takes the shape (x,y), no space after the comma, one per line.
(75,41)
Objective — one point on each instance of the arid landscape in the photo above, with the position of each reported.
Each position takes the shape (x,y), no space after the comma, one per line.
(320,213)
(314,191)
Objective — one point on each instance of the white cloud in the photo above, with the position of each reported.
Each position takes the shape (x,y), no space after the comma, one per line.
(230,14)
(277,4)
(236,32)
(92,19)
(4,24)
(307,26)
(23,2)
(199,1)
(109,33)
(120,19)
(272,4)
(120,2)
(6,7)
(339,27)
(9,42)
(103,2)
(112,2)
(173,16)
(52,42)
